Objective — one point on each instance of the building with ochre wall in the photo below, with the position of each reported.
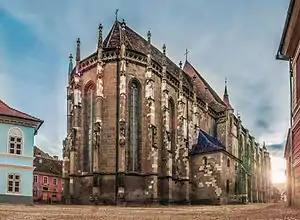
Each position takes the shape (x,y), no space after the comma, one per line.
(17,131)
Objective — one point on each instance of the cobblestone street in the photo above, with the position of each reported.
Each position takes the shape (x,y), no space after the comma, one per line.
(252,211)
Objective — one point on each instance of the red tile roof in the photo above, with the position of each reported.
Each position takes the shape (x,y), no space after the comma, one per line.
(8,111)
(205,90)
(44,163)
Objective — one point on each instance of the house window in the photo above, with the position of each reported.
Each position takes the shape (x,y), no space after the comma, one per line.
(13,183)
(228,162)
(54,193)
(45,180)
(54,181)
(134,127)
(35,178)
(15,141)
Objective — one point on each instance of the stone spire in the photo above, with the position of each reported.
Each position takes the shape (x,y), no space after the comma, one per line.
(77,55)
(149,50)
(78,50)
(149,37)
(226,96)
(265,146)
(100,41)
(164,62)
(70,63)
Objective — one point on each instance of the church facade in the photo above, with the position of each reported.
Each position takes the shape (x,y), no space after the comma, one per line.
(141,129)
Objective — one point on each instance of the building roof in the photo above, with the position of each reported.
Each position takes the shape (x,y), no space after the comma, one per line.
(280,54)
(206,144)
(135,42)
(9,111)
(205,90)
(44,163)
(39,152)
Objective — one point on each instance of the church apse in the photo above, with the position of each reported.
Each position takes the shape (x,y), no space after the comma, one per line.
(134,120)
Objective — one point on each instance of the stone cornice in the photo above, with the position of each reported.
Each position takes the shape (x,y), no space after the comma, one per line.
(18,121)
(141,59)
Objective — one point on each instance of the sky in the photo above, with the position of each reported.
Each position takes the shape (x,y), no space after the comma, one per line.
(229,39)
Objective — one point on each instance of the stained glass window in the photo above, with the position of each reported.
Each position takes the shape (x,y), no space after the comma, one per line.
(134,127)
(88,128)
(172,132)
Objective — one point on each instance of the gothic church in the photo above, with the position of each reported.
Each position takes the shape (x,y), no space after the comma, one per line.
(141,129)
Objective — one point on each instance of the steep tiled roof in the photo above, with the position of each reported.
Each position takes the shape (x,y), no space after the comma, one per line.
(206,143)
(8,111)
(210,95)
(135,42)
(44,163)
(38,152)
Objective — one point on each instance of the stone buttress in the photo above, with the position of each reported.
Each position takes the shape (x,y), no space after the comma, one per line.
(182,150)
(122,118)
(97,133)
(75,134)
(166,135)
(151,145)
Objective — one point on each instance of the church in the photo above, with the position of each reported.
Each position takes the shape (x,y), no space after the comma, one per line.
(142,129)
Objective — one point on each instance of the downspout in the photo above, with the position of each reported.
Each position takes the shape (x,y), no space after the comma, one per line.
(117,127)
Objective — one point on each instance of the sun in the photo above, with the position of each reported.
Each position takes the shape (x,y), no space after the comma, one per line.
(278,169)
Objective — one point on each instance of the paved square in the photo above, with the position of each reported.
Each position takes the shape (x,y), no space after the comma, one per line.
(251,211)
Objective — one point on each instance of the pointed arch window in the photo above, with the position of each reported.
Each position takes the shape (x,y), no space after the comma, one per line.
(172,130)
(89,112)
(134,127)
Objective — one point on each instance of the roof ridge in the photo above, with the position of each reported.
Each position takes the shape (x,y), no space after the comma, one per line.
(214,93)
(9,107)
(110,34)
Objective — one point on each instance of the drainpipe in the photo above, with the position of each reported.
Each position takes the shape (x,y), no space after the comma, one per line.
(280,56)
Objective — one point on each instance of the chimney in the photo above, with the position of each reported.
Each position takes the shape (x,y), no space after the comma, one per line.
(55,157)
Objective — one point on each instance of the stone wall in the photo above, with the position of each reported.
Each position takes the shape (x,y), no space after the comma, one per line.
(206,180)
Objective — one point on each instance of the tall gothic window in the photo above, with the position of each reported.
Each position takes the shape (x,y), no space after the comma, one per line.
(89,98)
(134,127)
(172,133)
(213,127)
